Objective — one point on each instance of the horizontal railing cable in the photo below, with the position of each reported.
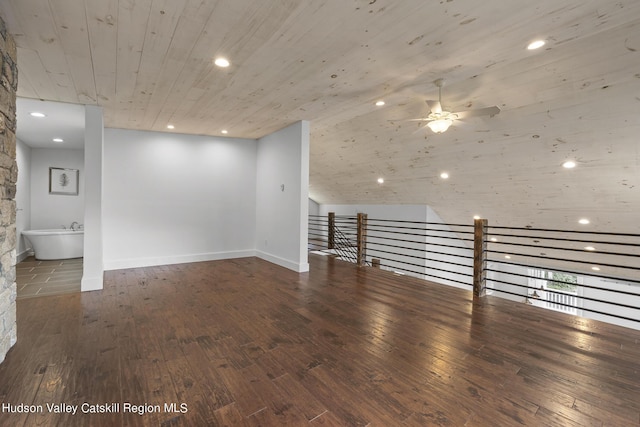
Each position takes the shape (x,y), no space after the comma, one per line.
(423,248)
(421,235)
(419,222)
(597,233)
(635,294)
(562,270)
(578,308)
(551,262)
(424,251)
(564,259)
(423,273)
(370,225)
(421,258)
(557,239)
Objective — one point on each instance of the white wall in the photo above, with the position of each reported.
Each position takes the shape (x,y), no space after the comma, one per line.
(93,265)
(172,198)
(282,205)
(609,292)
(23,197)
(55,210)
(314,208)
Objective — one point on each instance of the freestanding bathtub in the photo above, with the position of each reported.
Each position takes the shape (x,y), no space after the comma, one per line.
(56,244)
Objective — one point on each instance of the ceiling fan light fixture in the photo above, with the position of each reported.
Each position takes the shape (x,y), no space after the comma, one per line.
(440,125)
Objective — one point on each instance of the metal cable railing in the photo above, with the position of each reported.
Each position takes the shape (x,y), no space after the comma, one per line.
(345,247)
(592,274)
(335,238)
(433,251)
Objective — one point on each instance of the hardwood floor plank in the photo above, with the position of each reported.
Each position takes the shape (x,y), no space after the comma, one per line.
(230,416)
(300,397)
(239,382)
(245,342)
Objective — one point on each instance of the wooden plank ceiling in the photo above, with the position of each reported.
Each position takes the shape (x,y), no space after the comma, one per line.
(149,63)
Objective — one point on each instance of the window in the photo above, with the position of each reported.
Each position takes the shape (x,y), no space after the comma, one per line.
(554,290)
(563,282)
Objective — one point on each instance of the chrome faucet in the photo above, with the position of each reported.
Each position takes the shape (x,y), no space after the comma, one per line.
(74,225)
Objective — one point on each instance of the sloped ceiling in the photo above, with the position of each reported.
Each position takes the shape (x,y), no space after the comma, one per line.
(149,63)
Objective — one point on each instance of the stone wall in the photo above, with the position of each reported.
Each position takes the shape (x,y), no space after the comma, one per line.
(8,178)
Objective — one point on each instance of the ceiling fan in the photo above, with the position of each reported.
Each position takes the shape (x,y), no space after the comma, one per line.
(439,120)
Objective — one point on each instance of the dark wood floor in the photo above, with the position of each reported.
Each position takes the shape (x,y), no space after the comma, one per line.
(246,343)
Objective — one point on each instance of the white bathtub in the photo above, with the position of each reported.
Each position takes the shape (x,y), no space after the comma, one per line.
(56,244)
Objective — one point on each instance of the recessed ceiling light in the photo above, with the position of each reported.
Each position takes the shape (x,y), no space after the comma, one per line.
(380,180)
(224,131)
(537,44)
(493,239)
(171,127)
(589,248)
(584,221)
(476,217)
(569,164)
(507,256)
(594,268)
(380,103)
(444,175)
(58,140)
(38,114)
(222,62)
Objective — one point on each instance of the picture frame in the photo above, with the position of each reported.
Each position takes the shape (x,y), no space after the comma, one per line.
(63,181)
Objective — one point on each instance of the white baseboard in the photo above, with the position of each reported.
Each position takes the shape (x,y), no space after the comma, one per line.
(291,265)
(120,264)
(23,255)
(91,283)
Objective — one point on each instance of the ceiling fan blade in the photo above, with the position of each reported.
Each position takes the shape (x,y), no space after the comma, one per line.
(434,106)
(488,111)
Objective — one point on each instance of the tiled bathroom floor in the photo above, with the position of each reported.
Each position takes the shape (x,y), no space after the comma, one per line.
(39,278)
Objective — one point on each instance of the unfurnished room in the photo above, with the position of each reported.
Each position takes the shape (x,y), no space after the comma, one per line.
(328,213)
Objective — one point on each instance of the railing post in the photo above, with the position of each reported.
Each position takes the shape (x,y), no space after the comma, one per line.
(362,239)
(479,257)
(332,231)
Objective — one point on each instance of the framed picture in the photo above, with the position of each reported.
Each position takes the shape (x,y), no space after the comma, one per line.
(63,181)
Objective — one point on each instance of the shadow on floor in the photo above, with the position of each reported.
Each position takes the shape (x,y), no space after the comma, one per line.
(36,278)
